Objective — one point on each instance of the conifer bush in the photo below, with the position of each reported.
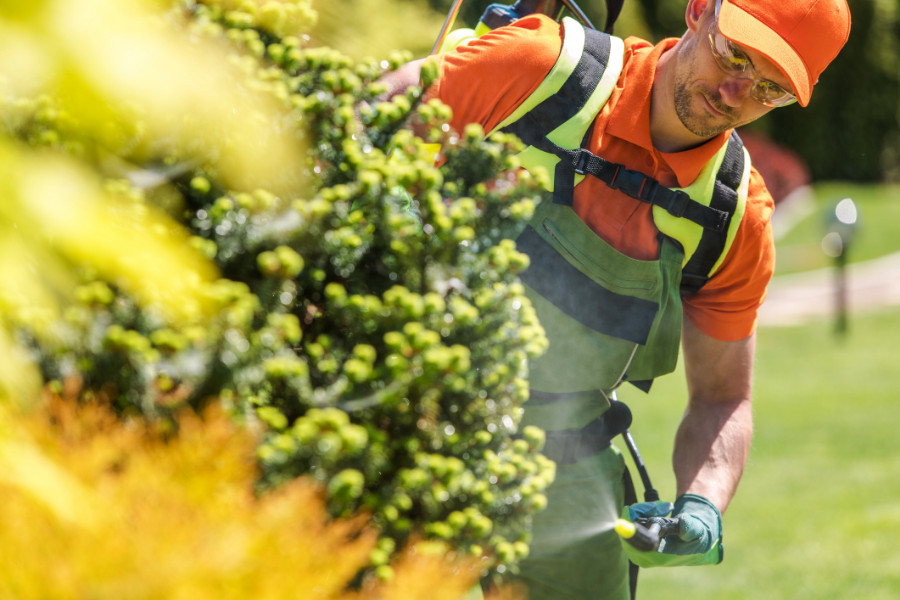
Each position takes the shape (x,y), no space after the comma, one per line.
(373,322)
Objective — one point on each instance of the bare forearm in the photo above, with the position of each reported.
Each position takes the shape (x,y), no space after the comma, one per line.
(713,440)
(711,449)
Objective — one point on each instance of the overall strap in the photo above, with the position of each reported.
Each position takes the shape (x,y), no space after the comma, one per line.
(562,109)
(715,218)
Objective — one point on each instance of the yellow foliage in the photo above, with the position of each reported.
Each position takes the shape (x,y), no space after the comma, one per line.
(126,78)
(281,17)
(376,28)
(126,81)
(97,508)
(55,214)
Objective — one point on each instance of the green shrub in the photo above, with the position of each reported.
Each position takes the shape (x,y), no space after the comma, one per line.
(374,324)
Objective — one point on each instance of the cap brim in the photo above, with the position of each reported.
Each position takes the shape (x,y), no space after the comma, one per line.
(746,30)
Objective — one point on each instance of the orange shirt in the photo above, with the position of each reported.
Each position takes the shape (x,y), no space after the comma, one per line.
(484,81)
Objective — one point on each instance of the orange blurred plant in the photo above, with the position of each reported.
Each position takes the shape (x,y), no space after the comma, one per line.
(97,508)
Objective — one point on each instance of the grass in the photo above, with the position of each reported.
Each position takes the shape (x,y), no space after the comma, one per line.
(879,211)
(817,514)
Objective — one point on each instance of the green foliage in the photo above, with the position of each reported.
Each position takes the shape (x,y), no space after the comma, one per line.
(375,325)
(362,28)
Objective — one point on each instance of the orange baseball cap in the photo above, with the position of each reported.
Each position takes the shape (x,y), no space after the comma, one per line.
(799,36)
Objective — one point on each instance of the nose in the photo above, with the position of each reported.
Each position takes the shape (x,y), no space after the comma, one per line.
(734,90)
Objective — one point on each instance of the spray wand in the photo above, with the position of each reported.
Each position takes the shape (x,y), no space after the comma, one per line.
(644,533)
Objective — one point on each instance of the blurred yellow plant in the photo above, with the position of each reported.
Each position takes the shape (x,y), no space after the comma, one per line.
(128,79)
(376,28)
(127,76)
(96,508)
(56,217)
(54,206)
(281,17)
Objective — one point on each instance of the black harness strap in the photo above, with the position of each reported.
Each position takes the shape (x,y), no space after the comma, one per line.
(642,187)
(712,242)
(613,8)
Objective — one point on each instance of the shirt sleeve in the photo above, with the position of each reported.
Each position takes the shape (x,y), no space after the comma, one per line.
(485,80)
(726,308)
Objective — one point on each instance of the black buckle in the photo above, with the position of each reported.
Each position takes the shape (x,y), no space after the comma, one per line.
(628,181)
(580,162)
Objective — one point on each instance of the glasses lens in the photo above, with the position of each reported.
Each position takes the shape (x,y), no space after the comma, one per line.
(767,92)
(729,58)
(732,60)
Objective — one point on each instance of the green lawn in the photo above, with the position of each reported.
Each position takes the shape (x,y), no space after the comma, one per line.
(879,213)
(818,512)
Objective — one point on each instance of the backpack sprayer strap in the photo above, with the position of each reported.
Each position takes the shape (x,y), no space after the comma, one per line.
(641,187)
(567,446)
(525,7)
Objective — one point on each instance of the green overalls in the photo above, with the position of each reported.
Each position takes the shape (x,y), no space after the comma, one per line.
(608,318)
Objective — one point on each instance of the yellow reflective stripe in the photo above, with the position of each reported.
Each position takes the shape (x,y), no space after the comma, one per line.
(569,134)
(688,233)
(701,189)
(572,47)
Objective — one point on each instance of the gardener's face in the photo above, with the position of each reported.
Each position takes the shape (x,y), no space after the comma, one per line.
(709,98)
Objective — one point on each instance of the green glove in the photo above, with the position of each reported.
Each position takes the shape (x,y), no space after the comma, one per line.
(699,539)
(642,510)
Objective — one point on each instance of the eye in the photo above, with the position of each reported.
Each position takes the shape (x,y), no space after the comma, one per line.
(736,57)
(770,89)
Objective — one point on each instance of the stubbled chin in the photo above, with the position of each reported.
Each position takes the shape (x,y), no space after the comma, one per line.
(699,119)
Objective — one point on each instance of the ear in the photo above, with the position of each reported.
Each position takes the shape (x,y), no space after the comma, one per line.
(694,13)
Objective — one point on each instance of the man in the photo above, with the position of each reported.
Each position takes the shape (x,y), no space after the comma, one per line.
(614,256)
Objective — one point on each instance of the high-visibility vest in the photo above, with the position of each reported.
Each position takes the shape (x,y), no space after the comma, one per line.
(610,318)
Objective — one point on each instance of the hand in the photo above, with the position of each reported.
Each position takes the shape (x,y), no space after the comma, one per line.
(699,539)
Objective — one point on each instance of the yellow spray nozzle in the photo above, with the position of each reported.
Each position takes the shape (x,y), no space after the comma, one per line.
(624,528)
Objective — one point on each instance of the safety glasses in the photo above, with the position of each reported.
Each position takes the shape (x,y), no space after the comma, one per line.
(734,62)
